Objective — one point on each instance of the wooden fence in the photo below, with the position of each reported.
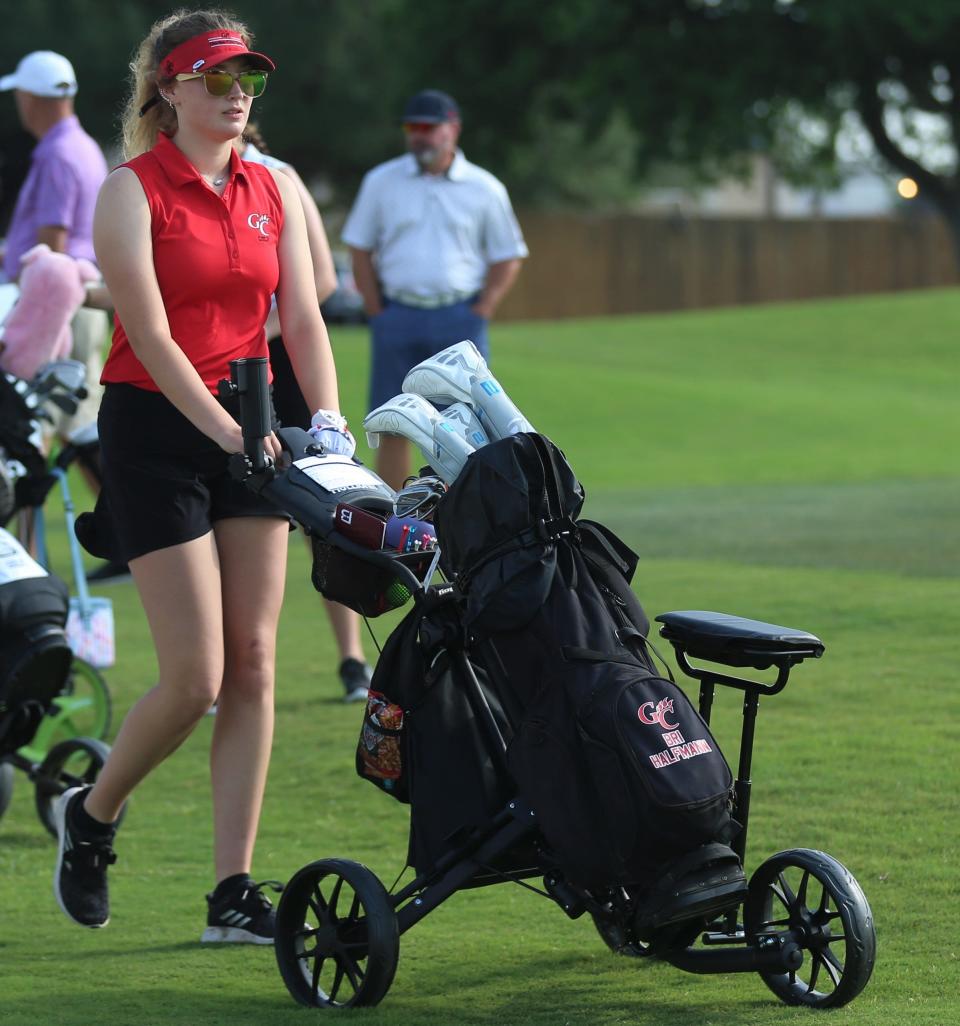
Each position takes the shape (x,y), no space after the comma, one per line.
(587,265)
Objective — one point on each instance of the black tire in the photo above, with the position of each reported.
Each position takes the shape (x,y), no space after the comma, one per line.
(810,893)
(68,764)
(6,786)
(336,933)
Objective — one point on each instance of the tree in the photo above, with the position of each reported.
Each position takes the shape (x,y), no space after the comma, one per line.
(575,101)
(332,108)
(706,82)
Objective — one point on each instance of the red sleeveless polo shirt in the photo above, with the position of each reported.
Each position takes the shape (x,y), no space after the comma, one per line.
(215,259)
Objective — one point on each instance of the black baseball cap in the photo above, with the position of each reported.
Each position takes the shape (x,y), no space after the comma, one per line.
(430,105)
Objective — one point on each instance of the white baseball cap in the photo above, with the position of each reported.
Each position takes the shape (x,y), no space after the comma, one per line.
(43,73)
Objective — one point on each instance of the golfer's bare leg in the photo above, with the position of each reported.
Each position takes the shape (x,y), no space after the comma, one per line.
(180,590)
(253,554)
(393,460)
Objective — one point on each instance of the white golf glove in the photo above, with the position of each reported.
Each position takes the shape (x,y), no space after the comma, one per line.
(329,429)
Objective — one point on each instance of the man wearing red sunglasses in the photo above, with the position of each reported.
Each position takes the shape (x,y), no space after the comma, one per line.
(435,247)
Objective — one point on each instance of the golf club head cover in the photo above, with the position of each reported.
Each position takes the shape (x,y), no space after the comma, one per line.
(446,377)
(37,329)
(497,412)
(412,417)
(467,422)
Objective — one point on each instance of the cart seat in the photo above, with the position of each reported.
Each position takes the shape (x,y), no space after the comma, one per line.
(736,641)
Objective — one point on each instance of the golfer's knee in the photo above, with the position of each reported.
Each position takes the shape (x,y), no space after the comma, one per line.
(249,672)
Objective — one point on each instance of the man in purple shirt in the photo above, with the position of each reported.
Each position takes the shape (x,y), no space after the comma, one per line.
(57,198)
(55,205)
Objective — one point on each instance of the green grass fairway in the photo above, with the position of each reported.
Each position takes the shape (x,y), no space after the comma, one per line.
(797,464)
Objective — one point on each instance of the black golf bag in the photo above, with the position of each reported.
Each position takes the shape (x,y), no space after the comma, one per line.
(19,445)
(623,775)
(34,655)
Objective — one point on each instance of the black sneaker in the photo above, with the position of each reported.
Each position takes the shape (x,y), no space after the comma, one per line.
(80,879)
(356,677)
(240,913)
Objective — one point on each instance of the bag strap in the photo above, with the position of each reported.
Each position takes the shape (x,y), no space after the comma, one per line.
(598,533)
(551,477)
(539,534)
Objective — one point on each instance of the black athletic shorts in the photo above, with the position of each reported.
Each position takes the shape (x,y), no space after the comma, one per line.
(164,481)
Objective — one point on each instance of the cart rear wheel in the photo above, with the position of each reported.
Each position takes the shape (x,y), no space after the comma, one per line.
(813,896)
(71,763)
(337,940)
(6,786)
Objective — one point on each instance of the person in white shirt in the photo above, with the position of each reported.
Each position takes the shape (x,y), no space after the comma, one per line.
(435,247)
(291,407)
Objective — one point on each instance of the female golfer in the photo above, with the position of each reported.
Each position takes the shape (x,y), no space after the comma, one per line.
(193,241)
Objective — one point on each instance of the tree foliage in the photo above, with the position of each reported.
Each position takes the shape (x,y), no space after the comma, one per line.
(704,82)
(572,102)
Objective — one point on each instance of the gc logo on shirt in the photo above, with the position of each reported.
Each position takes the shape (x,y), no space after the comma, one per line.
(259,223)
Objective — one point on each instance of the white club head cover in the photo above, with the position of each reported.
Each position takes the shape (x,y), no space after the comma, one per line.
(412,417)
(497,412)
(446,377)
(467,423)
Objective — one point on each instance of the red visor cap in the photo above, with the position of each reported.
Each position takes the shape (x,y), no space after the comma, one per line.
(208,50)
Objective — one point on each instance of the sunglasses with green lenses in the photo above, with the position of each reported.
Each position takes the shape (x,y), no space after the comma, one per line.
(219,83)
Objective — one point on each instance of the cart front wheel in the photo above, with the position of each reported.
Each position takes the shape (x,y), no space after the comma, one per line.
(68,764)
(817,899)
(337,940)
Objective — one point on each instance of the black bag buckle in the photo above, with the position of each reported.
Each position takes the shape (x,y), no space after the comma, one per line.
(551,530)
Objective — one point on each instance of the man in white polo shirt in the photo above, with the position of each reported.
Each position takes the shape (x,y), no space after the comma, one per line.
(435,247)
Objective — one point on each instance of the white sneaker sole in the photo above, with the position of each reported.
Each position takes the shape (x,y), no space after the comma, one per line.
(231,935)
(59,818)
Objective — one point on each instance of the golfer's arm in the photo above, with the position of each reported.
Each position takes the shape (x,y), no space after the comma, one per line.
(304,333)
(324,273)
(365,275)
(54,236)
(98,297)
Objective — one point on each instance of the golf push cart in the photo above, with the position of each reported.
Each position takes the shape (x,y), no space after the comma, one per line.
(55,706)
(469,743)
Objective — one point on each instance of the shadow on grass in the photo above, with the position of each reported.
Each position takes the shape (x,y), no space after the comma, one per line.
(320,701)
(159,949)
(527,995)
(895,526)
(40,840)
(181,1007)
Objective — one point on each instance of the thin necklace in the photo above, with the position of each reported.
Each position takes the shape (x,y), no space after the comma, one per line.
(218,180)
